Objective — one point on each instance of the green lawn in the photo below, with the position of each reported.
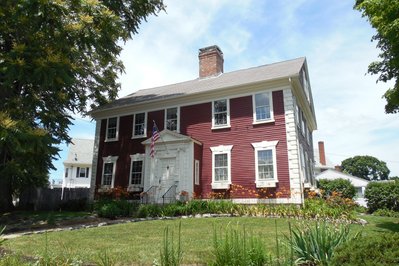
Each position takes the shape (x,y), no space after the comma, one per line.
(140,242)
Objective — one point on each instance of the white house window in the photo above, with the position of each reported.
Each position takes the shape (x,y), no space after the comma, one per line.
(265,163)
(172,119)
(82,172)
(220,113)
(196,172)
(112,129)
(136,171)
(263,107)
(139,125)
(221,166)
(109,168)
(66,172)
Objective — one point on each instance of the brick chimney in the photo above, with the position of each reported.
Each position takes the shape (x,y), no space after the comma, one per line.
(210,61)
(322,154)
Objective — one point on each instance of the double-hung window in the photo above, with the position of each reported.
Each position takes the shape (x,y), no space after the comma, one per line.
(265,163)
(221,166)
(136,171)
(172,119)
(220,113)
(139,125)
(109,168)
(82,172)
(112,129)
(262,107)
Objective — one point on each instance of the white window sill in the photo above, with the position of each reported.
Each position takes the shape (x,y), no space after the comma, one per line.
(135,188)
(110,140)
(139,137)
(269,183)
(104,188)
(224,185)
(220,127)
(263,122)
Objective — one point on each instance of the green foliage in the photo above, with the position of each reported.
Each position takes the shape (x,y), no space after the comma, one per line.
(104,259)
(382,195)
(114,208)
(333,208)
(381,249)
(171,255)
(342,186)
(383,16)
(386,213)
(315,244)
(238,247)
(149,210)
(57,58)
(366,167)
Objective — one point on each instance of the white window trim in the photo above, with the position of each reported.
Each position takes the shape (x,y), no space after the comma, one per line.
(178,117)
(133,158)
(86,172)
(228,114)
(261,146)
(117,130)
(109,159)
(221,149)
(196,172)
(255,121)
(145,126)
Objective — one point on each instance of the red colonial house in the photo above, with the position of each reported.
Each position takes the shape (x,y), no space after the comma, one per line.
(244,135)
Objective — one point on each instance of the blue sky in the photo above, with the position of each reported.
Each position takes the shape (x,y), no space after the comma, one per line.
(334,38)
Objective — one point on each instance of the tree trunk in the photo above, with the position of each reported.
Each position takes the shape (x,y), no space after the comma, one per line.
(5,195)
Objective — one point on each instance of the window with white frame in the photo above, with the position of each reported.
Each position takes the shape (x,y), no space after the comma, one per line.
(262,107)
(137,170)
(82,172)
(220,113)
(66,172)
(112,128)
(265,163)
(196,172)
(172,119)
(109,168)
(139,125)
(221,166)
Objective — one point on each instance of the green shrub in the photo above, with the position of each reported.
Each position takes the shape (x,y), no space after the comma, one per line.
(386,213)
(382,195)
(315,244)
(342,186)
(149,210)
(381,249)
(238,248)
(114,208)
(320,209)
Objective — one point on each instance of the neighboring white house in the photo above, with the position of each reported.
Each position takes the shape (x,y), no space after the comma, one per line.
(77,167)
(359,183)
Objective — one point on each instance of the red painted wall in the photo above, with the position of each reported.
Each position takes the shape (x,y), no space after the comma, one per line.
(195,121)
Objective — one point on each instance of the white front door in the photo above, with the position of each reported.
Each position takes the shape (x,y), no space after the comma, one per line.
(165,171)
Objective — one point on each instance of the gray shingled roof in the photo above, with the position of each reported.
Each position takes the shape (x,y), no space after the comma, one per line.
(80,151)
(231,79)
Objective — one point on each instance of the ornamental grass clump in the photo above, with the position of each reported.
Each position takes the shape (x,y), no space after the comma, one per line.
(315,244)
(238,247)
(171,253)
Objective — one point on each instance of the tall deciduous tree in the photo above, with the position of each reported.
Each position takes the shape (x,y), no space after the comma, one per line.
(383,15)
(366,167)
(57,58)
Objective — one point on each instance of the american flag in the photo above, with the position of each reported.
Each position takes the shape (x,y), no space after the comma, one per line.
(155,136)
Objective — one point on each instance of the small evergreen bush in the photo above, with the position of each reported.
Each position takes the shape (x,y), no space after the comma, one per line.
(382,195)
(381,249)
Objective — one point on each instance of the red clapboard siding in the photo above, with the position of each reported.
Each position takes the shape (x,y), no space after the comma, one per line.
(196,122)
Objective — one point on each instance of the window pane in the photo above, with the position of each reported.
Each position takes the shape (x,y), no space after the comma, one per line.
(265,164)
(220,160)
(171,119)
(220,112)
(137,170)
(111,127)
(221,119)
(220,106)
(262,106)
(221,174)
(107,177)
(139,124)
